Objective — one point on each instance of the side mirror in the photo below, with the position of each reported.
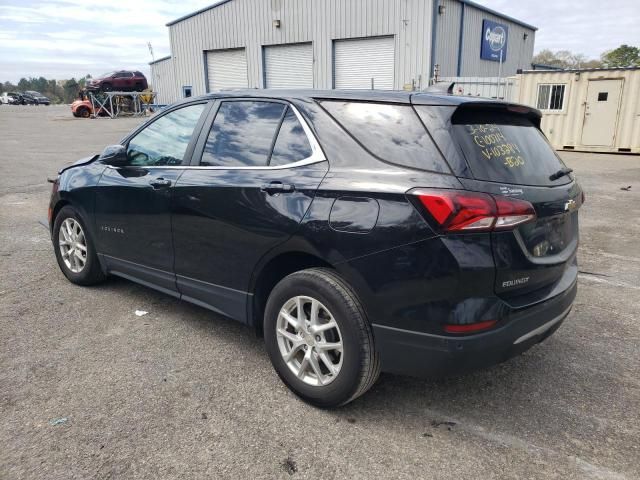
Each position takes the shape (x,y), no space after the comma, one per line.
(114,155)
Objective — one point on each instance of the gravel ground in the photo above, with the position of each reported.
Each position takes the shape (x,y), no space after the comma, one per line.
(90,390)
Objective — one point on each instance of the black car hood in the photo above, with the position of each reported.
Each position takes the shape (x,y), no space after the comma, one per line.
(82,161)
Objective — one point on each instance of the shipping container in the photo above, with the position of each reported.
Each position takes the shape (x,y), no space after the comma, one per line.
(594,110)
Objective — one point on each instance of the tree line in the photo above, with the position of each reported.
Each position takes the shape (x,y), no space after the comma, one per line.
(58,91)
(623,56)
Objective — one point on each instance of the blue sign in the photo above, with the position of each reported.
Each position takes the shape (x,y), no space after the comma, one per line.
(494,41)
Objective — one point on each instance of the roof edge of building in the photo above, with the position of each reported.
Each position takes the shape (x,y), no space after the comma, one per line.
(578,70)
(468,2)
(197,12)
(168,57)
(496,13)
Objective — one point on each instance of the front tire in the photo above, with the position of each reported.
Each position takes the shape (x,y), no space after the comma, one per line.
(74,248)
(319,339)
(83,112)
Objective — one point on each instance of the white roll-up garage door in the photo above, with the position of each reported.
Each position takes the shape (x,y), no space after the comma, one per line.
(357,61)
(227,69)
(288,66)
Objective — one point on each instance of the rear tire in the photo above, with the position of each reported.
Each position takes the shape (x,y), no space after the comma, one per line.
(328,358)
(74,248)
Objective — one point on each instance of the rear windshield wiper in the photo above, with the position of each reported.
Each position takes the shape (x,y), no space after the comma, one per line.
(560,173)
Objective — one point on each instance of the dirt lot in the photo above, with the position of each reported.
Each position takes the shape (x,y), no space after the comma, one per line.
(90,390)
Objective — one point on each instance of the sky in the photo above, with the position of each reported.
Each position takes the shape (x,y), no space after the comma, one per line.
(584,26)
(71,38)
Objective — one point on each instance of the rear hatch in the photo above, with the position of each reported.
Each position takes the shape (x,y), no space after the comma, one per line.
(501,151)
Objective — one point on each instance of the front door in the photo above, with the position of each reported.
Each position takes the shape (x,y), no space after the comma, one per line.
(255,179)
(133,202)
(601,112)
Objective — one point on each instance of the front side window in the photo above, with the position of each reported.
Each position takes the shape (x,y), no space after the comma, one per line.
(242,134)
(550,97)
(165,141)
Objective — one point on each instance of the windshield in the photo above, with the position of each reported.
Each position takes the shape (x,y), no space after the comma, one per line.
(105,75)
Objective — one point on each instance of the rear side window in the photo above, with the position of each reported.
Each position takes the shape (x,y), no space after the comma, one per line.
(242,134)
(391,132)
(506,148)
(292,144)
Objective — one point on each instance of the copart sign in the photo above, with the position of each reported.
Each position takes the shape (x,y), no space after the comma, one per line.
(494,41)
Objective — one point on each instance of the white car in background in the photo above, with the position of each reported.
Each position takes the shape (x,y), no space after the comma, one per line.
(10,98)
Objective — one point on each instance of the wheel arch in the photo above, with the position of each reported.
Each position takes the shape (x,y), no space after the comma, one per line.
(60,204)
(270,273)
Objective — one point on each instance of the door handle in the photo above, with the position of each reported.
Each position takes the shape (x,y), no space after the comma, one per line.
(273,188)
(160,183)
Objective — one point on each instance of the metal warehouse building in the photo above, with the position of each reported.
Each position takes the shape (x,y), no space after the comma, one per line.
(381,44)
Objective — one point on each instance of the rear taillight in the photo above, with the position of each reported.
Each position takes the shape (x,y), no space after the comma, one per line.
(461,211)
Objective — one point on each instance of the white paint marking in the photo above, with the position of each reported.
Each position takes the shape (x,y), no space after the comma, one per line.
(596,279)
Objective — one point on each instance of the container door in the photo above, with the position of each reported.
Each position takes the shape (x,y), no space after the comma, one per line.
(601,112)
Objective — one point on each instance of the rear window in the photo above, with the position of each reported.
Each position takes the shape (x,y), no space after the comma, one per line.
(393,133)
(506,148)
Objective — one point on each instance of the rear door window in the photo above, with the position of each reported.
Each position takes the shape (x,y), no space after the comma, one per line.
(391,132)
(242,134)
(506,148)
(292,144)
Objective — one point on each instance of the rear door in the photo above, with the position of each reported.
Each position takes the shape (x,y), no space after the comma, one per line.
(257,168)
(505,153)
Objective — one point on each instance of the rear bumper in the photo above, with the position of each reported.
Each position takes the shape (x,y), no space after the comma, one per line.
(422,354)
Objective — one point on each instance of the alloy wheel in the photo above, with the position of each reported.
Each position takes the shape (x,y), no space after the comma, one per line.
(309,340)
(73,245)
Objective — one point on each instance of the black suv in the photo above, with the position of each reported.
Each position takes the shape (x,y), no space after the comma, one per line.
(35,98)
(357,231)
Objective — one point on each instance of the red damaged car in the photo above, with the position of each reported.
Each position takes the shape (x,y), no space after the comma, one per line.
(120,81)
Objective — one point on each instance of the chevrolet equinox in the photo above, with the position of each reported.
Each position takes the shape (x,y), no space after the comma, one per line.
(358,232)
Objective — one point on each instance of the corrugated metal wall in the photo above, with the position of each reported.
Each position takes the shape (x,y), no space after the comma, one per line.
(448,38)
(519,49)
(163,81)
(249,24)
(564,128)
